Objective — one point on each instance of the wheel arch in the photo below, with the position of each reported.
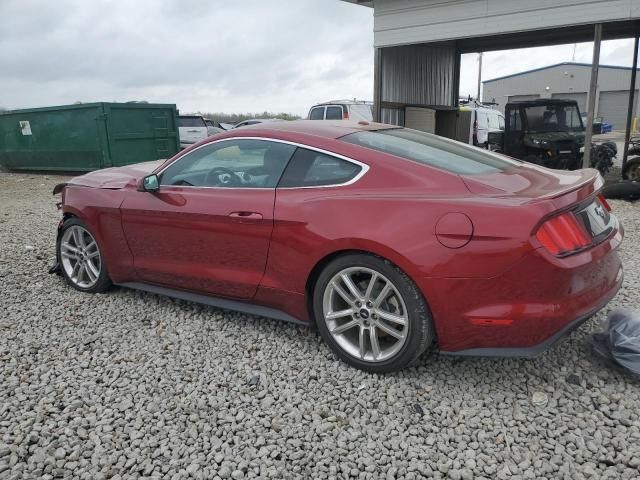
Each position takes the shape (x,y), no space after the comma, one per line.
(391,256)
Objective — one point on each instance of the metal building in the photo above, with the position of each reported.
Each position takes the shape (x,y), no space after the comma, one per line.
(569,80)
(418,44)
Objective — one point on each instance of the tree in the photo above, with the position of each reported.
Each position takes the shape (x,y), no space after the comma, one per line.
(221,117)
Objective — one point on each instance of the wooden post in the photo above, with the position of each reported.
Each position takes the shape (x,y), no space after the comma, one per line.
(632,91)
(597,38)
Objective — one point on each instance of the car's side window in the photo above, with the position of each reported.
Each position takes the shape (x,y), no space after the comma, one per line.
(309,168)
(317,113)
(334,113)
(515,120)
(245,163)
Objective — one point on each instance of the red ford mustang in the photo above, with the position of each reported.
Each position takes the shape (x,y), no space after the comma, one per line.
(390,240)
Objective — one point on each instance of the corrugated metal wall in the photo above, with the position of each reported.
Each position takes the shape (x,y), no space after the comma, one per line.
(580,97)
(613,107)
(392,116)
(419,74)
(419,21)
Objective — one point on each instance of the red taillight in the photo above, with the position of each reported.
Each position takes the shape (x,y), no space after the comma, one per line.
(345,115)
(562,235)
(604,202)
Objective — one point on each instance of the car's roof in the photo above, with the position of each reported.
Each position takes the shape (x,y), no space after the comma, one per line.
(320,128)
(264,120)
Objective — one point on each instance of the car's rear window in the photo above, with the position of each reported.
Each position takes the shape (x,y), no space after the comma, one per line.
(334,113)
(432,150)
(191,122)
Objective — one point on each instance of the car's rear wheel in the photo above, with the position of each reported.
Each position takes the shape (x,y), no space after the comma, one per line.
(371,314)
(80,258)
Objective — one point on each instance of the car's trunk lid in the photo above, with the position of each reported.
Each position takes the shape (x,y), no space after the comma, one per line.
(532,182)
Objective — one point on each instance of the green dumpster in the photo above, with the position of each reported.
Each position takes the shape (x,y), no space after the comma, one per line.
(87,136)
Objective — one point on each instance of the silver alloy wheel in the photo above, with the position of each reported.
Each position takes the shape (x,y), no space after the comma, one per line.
(365,314)
(80,256)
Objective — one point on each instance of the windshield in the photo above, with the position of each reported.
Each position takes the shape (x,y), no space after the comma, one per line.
(190,122)
(432,150)
(553,118)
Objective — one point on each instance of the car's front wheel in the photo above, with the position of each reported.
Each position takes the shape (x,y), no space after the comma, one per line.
(371,314)
(80,258)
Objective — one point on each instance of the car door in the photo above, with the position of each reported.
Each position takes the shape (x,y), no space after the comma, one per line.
(514,132)
(207,229)
(483,127)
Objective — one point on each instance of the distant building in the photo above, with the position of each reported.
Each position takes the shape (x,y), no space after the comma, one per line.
(569,80)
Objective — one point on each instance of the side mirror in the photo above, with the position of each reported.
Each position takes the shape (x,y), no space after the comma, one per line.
(495,138)
(150,183)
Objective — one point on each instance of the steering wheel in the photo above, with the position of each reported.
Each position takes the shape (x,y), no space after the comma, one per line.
(222,176)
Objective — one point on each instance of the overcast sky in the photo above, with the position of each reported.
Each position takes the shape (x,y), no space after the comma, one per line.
(213,55)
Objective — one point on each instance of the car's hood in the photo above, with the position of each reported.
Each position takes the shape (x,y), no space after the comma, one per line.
(530,181)
(116,177)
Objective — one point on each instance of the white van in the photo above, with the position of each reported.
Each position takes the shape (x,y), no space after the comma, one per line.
(342,110)
(482,120)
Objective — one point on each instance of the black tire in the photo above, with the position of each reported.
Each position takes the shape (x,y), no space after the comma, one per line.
(632,169)
(624,190)
(420,334)
(634,151)
(103,282)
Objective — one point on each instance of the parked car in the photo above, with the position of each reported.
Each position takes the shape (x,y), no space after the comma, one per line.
(255,121)
(390,240)
(212,128)
(192,129)
(483,120)
(342,110)
(226,126)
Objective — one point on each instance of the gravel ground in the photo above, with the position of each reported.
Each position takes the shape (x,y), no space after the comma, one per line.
(130,385)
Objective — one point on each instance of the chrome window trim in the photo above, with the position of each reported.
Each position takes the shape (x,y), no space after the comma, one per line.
(324,111)
(363,166)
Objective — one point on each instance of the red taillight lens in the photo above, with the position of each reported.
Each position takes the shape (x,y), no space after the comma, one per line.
(604,202)
(345,115)
(562,235)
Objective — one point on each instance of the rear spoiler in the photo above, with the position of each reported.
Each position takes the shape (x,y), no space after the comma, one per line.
(591,175)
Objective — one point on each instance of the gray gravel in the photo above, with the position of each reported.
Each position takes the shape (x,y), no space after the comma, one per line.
(129,385)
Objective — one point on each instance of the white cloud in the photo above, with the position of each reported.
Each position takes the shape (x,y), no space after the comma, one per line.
(248,55)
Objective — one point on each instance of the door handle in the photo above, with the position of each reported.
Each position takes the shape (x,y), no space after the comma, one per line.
(246,216)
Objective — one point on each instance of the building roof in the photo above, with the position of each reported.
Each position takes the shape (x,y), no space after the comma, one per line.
(575,64)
